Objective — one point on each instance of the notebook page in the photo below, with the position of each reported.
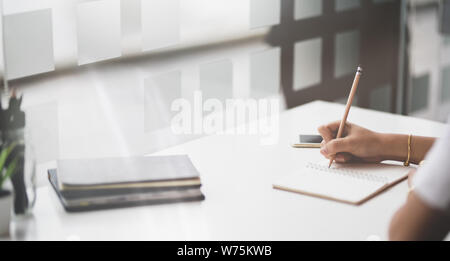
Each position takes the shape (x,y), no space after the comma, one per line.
(349,182)
(380,171)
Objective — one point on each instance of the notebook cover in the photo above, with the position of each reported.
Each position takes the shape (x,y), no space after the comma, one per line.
(107,171)
(95,192)
(130,204)
(86,206)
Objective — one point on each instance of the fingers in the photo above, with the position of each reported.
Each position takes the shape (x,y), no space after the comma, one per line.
(329,131)
(340,148)
(333,126)
(343,157)
(336,146)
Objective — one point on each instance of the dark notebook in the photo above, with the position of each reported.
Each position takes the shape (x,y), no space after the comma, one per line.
(124,171)
(91,184)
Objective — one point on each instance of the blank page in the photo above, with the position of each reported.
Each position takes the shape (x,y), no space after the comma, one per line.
(351,183)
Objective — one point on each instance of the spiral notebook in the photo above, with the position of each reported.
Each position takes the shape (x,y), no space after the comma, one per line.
(348,183)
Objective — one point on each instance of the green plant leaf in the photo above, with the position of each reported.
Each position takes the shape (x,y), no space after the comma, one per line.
(3,157)
(5,153)
(9,170)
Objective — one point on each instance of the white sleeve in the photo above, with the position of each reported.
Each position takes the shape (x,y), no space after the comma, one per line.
(432,181)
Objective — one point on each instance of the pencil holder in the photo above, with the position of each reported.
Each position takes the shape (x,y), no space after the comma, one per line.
(21,164)
(17,161)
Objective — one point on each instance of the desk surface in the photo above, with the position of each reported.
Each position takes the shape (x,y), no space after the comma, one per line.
(237,174)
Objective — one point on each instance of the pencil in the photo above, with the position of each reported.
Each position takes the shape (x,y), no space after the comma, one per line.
(347,107)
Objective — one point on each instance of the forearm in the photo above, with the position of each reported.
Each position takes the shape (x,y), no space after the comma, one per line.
(395,147)
(417,221)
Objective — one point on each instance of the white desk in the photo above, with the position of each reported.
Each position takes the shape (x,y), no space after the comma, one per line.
(237,175)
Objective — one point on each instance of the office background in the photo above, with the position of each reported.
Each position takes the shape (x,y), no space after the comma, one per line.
(98,76)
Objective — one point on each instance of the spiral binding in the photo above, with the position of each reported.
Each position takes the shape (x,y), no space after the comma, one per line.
(348,173)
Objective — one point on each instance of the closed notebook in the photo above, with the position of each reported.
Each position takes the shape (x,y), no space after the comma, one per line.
(125,172)
(85,184)
(84,192)
(348,183)
(121,199)
(89,177)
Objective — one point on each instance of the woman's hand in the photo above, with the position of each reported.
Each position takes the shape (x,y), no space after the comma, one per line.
(356,144)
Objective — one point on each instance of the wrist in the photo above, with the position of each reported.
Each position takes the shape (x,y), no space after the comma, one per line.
(393,146)
(383,145)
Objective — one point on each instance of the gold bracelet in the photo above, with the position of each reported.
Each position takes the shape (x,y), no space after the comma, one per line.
(409,151)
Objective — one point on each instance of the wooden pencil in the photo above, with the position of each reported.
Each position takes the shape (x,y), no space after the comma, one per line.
(347,107)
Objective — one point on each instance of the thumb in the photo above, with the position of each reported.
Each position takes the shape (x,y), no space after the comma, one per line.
(337,145)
